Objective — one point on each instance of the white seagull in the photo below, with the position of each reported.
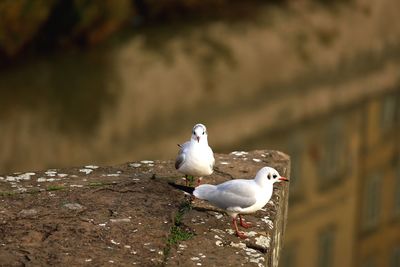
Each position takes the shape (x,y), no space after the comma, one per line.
(239,196)
(195,157)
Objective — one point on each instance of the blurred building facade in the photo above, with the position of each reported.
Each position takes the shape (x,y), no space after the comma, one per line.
(378,224)
(344,203)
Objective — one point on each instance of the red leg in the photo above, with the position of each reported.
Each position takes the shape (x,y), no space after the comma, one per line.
(239,234)
(244,224)
(198,181)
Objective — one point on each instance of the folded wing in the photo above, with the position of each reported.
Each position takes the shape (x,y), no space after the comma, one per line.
(180,159)
(231,195)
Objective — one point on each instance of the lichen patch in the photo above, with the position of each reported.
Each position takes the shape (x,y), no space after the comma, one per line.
(91,167)
(85,171)
(135,165)
(147,161)
(263,241)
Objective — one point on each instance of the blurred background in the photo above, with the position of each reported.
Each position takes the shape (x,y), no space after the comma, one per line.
(105,82)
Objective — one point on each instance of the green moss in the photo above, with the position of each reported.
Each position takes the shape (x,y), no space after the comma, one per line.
(55,187)
(13,193)
(177,233)
(33,191)
(183,208)
(190,180)
(7,193)
(96,184)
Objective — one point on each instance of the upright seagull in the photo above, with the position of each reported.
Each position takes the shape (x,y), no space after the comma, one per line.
(239,196)
(195,157)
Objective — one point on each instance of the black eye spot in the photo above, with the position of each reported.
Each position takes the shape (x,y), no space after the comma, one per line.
(274,175)
(269,176)
(204,133)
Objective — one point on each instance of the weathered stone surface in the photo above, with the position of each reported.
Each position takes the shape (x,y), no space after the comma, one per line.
(124,215)
(28,213)
(214,243)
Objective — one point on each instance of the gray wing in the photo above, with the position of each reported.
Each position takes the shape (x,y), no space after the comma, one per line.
(234,193)
(213,160)
(180,159)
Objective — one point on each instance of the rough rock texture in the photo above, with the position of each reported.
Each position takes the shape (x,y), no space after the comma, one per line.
(129,215)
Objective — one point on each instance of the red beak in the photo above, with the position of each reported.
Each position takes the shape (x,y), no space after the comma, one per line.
(283,179)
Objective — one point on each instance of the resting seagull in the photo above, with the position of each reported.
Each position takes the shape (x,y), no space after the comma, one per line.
(239,196)
(195,157)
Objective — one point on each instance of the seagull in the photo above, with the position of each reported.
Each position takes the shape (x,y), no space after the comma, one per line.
(239,196)
(195,157)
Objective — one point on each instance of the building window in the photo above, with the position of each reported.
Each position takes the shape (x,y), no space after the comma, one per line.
(334,160)
(288,258)
(395,257)
(388,113)
(295,149)
(369,262)
(371,201)
(295,186)
(397,192)
(326,248)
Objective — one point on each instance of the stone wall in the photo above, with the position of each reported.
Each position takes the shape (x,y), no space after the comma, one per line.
(128,214)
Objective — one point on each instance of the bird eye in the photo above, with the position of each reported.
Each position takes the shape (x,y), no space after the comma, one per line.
(269,176)
(274,176)
(204,133)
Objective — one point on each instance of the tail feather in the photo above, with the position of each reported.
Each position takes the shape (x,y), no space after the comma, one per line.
(204,191)
(184,188)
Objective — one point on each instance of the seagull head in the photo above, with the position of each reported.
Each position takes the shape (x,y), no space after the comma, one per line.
(199,133)
(268,175)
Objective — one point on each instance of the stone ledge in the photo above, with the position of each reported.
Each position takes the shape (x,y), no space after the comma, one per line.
(124,215)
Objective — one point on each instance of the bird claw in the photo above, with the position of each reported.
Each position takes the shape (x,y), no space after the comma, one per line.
(245,225)
(241,235)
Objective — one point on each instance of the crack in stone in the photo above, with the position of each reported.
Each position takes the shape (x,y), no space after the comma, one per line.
(256,247)
(49,232)
(217,170)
